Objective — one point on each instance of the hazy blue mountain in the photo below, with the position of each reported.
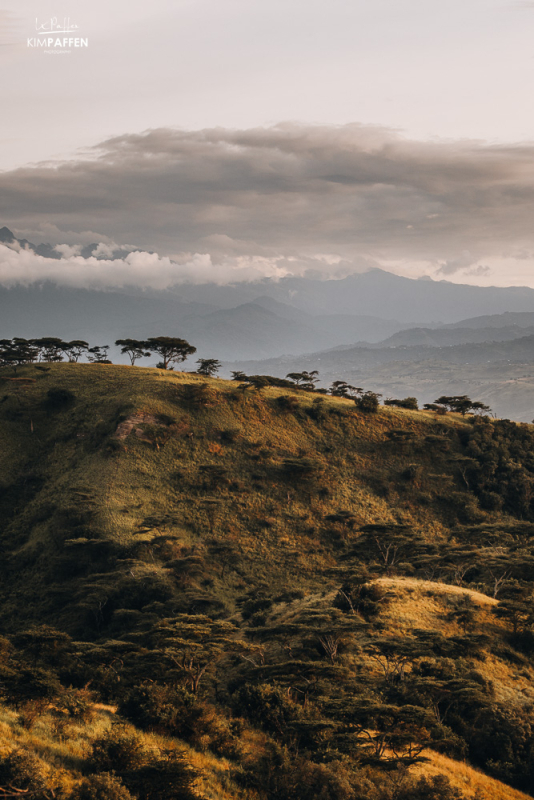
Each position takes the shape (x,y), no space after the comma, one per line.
(499,373)
(247,331)
(451,335)
(522,319)
(100,316)
(374,293)
(349,328)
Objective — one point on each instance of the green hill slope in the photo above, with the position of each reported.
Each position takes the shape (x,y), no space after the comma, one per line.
(278,596)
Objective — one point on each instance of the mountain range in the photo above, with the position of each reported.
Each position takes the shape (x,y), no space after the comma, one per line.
(394,334)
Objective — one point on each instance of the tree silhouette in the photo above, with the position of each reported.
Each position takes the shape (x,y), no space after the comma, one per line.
(135,349)
(208,366)
(171,349)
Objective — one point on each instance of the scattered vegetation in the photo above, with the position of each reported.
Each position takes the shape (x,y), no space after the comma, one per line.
(248,591)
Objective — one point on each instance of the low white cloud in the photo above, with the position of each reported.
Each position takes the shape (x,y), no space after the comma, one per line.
(103,250)
(68,250)
(149,270)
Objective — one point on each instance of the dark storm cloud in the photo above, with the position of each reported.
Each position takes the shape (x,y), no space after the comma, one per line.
(288,191)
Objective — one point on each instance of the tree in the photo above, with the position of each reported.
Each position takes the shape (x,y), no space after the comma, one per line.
(389,542)
(344,389)
(463,611)
(384,732)
(368,402)
(135,348)
(304,380)
(49,348)
(408,402)
(75,349)
(171,349)
(16,351)
(461,404)
(208,366)
(99,354)
(519,613)
(189,647)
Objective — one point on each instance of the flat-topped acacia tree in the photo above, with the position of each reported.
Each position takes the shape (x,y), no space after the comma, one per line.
(171,349)
(75,349)
(49,348)
(135,348)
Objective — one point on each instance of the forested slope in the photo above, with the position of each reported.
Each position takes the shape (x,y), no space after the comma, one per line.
(216,591)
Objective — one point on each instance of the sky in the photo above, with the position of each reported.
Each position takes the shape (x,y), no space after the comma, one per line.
(259,137)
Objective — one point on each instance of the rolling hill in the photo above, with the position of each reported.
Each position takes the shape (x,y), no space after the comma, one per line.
(211,591)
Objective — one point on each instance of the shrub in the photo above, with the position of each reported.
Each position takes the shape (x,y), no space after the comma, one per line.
(22,770)
(229,435)
(105,786)
(119,749)
(152,706)
(268,707)
(198,395)
(301,469)
(400,435)
(58,399)
(408,402)
(168,776)
(412,473)
(287,402)
(176,712)
(368,402)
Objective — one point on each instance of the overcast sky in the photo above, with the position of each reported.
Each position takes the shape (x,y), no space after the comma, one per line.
(394,133)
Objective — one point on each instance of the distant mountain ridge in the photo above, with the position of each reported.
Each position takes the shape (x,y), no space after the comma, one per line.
(501,373)
(376,293)
(449,336)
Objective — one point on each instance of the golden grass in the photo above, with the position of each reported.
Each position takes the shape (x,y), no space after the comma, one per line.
(422,604)
(65,753)
(467,779)
(438,588)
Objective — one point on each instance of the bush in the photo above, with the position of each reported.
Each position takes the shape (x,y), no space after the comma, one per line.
(22,770)
(269,708)
(368,402)
(229,435)
(437,787)
(58,399)
(301,469)
(176,712)
(198,395)
(165,709)
(119,749)
(408,402)
(287,402)
(105,786)
(412,473)
(168,776)
(400,435)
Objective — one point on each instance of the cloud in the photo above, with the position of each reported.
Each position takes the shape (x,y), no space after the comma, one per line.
(246,202)
(454,265)
(19,266)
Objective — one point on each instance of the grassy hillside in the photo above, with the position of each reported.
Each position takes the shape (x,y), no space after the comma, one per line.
(259,595)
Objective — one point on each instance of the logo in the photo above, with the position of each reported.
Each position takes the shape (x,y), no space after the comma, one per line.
(56,35)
